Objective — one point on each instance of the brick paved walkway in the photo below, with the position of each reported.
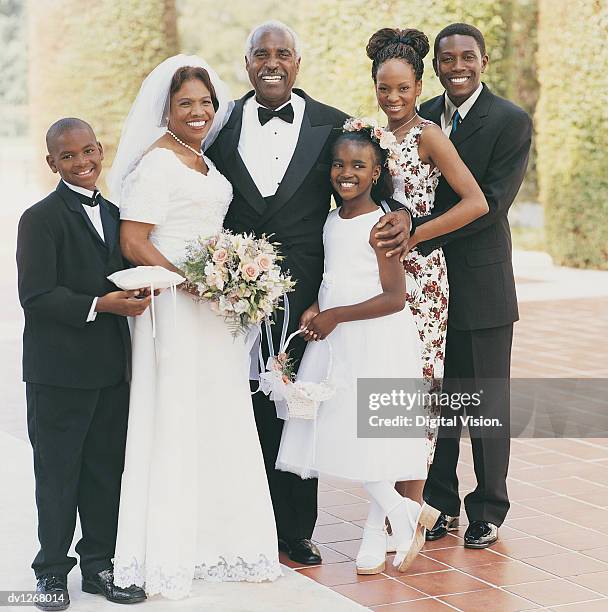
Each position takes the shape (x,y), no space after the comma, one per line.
(553,547)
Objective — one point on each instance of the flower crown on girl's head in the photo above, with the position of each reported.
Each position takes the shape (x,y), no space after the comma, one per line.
(383,138)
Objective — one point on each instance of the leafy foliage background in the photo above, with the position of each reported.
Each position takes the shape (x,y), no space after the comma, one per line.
(572,130)
(13,67)
(90,63)
(548,56)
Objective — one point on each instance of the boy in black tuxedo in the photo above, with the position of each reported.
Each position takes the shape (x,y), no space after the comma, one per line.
(492,136)
(76,351)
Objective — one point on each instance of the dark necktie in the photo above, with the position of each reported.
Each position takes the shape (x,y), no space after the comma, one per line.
(456,119)
(266,114)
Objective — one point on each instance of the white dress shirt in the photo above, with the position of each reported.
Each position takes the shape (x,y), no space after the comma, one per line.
(450,108)
(94,215)
(266,150)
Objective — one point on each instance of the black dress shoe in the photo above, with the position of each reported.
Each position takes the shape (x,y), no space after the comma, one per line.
(441,527)
(301,551)
(52,592)
(103,584)
(480,534)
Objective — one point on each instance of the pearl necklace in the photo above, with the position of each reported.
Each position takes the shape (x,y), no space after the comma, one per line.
(197,153)
(406,123)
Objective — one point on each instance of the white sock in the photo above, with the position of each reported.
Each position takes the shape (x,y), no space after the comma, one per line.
(376,516)
(372,551)
(401,512)
(384,494)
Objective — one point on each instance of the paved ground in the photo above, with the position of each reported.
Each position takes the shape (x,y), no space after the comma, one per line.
(553,548)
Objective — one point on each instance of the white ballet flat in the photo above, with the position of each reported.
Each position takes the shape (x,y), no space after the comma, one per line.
(371,558)
(425,517)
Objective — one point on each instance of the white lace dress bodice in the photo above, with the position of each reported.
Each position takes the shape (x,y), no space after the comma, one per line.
(192,454)
(181,203)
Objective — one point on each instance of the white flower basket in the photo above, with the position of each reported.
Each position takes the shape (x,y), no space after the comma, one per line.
(302,398)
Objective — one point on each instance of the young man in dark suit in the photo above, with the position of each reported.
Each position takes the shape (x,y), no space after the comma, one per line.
(76,352)
(493,137)
(276,152)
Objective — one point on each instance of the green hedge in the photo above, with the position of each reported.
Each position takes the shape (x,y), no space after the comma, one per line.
(572,131)
(336,69)
(221,40)
(333,34)
(91,63)
(88,60)
(13,67)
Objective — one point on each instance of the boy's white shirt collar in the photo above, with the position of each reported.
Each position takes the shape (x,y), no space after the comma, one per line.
(80,190)
(93,212)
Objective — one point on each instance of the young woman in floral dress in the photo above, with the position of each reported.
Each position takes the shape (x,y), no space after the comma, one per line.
(397,69)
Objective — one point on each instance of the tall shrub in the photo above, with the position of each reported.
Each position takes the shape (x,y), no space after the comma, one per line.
(88,60)
(336,69)
(13,68)
(572,130)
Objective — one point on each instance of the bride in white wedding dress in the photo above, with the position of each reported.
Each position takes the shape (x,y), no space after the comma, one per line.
(194,500)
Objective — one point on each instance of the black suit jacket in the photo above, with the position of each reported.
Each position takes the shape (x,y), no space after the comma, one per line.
(62,265)
(296,214)
(493,140)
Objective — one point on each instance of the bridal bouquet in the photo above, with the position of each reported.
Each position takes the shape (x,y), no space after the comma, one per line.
(239,274)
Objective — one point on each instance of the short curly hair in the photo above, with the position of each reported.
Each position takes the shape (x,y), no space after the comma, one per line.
(464,29)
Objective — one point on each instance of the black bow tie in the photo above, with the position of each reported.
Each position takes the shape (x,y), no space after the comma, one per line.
(89,201)
(265,114)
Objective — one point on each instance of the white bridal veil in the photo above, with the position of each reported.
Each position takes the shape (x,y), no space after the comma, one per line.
(146,121)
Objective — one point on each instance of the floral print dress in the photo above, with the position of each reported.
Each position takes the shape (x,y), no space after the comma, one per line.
(426,276)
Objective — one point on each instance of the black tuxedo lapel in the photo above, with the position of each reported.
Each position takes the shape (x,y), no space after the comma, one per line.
(74,204)
(475,118)
(311,140)
(109,222)
(434,110)
(229,145)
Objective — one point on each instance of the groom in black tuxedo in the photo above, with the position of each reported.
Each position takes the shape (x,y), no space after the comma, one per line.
(276,152)
(76,354)
(493,137)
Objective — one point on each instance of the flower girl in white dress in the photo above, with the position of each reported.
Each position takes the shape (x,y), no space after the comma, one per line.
(361,304)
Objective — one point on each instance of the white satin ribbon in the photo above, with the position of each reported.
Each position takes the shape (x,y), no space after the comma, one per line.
(259,357)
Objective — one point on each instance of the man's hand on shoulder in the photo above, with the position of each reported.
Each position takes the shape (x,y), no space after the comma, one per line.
(395,232)
(124,303)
